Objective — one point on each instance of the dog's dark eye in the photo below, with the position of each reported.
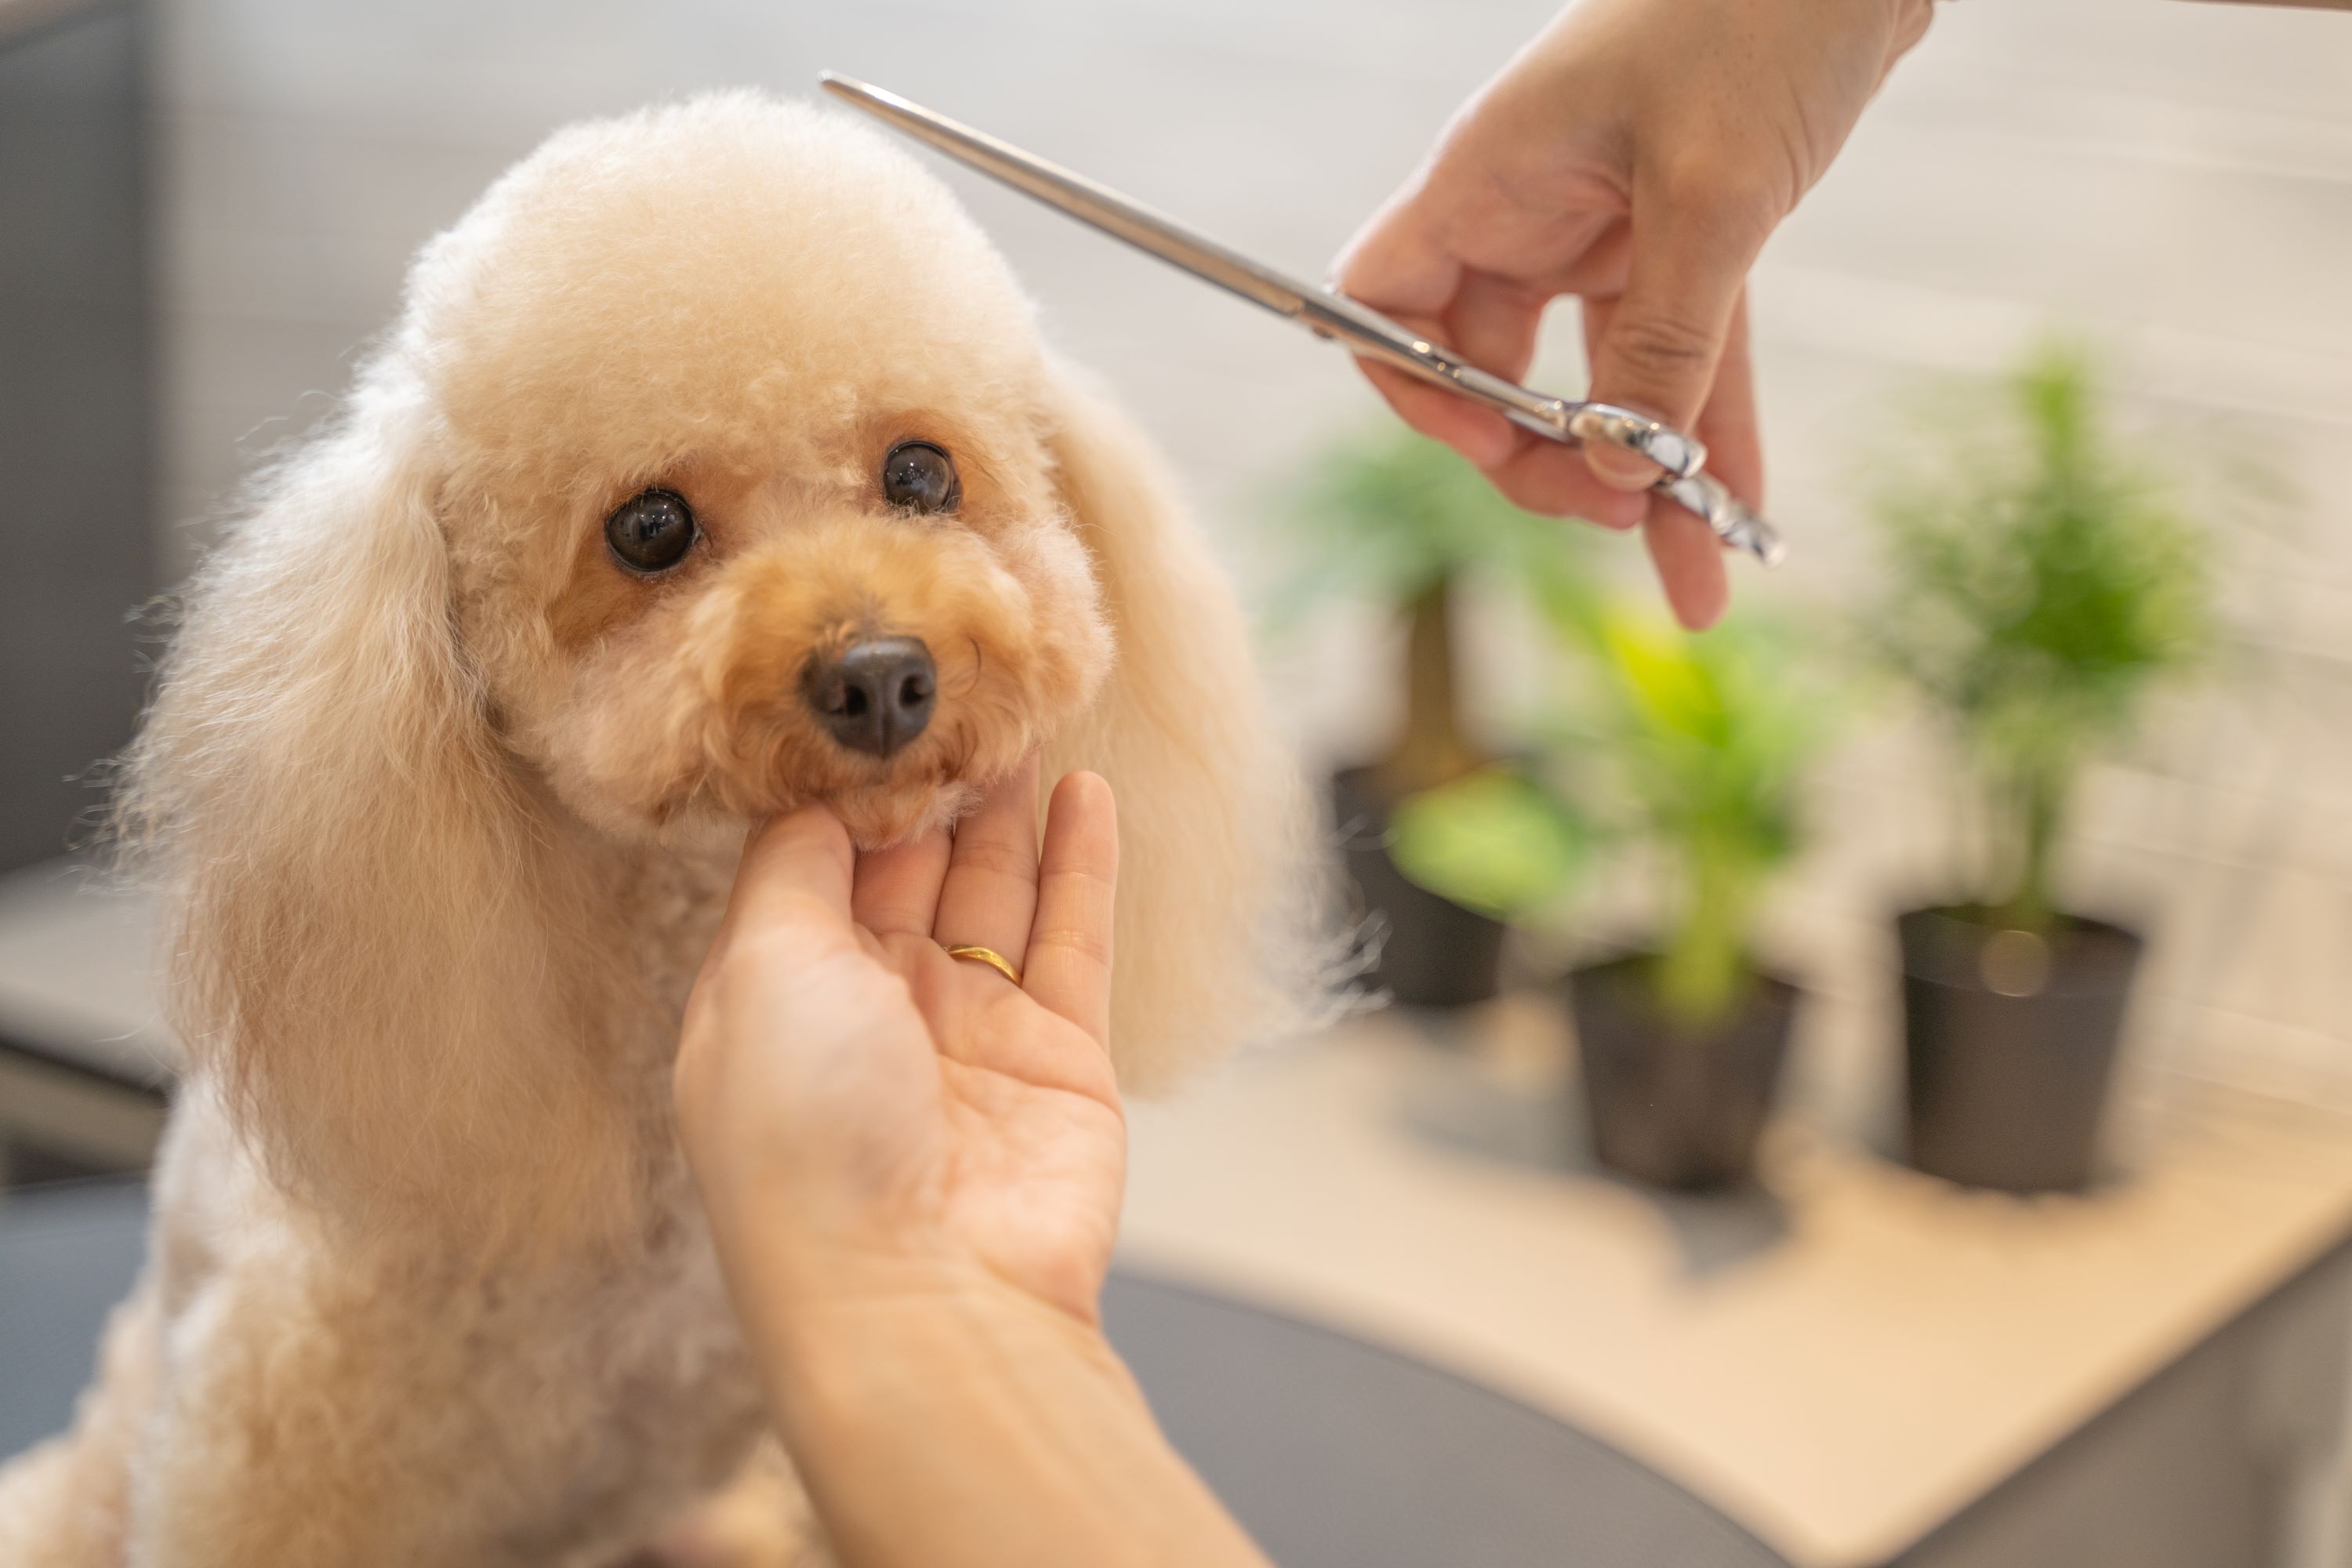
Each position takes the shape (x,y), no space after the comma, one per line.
(921,477)
(651,531)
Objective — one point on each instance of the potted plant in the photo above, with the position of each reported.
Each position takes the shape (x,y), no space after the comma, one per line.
(2040,583)
(1689,750)
(1402,521)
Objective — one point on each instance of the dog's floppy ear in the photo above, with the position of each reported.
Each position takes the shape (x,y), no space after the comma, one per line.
(361,897)
(1217,937)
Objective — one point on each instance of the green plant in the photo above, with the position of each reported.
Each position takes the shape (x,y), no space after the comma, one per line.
(1705,739)
(1401,520)
(1498,840)
(1692,746)
(2040,581)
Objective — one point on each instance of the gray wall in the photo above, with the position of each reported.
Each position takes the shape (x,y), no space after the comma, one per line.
(76,524)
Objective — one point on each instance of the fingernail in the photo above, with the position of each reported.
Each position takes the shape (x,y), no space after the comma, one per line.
(1617,467)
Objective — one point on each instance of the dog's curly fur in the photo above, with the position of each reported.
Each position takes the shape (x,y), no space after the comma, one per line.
(443,802)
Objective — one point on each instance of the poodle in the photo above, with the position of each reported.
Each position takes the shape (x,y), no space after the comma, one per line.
(715,465)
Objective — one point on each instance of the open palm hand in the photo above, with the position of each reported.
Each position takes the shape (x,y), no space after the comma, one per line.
(883,1112)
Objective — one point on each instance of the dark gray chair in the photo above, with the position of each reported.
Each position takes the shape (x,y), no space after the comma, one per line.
(1330,1450)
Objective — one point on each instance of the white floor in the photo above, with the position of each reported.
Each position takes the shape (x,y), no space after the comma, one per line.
(2173,179)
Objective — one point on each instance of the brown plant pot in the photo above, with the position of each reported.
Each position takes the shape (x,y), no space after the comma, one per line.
(1436,953)
(2010,1047)
(1668,1106)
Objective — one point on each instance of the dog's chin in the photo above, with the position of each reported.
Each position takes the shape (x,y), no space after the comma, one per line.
(880,802)
(879,816)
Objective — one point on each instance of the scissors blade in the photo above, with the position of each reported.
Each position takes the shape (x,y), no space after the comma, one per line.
(1325,312)
(1091,204)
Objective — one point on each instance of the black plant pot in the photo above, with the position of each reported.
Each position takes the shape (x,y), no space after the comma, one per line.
(1437,952)
(2010,1047)
(1670,1106)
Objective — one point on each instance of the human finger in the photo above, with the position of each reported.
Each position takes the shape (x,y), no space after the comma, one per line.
(1069,964)
(1689,562)
(1550,480)
(791,865)
(1735,444)
(1398,265)
(897,890)
(1690,559)
(1658,351)
(1493,322)
(991,891)
(1482,435)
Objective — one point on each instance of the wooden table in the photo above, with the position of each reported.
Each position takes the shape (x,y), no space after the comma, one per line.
(1862,1364)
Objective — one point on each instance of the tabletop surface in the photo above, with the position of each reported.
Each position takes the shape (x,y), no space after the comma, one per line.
(1842,1360)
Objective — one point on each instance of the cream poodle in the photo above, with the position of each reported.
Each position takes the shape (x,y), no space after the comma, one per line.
(714,466)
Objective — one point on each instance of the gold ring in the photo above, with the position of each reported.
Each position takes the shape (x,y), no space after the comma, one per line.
(991,957)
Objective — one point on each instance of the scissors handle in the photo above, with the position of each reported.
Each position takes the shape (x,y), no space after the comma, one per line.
(1377,336)
(1369,333)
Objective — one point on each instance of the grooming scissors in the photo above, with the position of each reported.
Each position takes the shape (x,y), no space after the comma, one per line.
(1329,314)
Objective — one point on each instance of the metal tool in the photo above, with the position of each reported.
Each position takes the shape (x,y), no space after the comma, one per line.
(1329,314)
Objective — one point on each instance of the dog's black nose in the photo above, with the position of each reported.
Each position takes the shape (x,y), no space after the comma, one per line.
(876,696)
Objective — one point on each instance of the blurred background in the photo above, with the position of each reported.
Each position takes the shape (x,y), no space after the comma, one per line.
(205,210)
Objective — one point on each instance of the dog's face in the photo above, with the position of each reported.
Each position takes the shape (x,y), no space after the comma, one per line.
(714,466)
(748,487)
